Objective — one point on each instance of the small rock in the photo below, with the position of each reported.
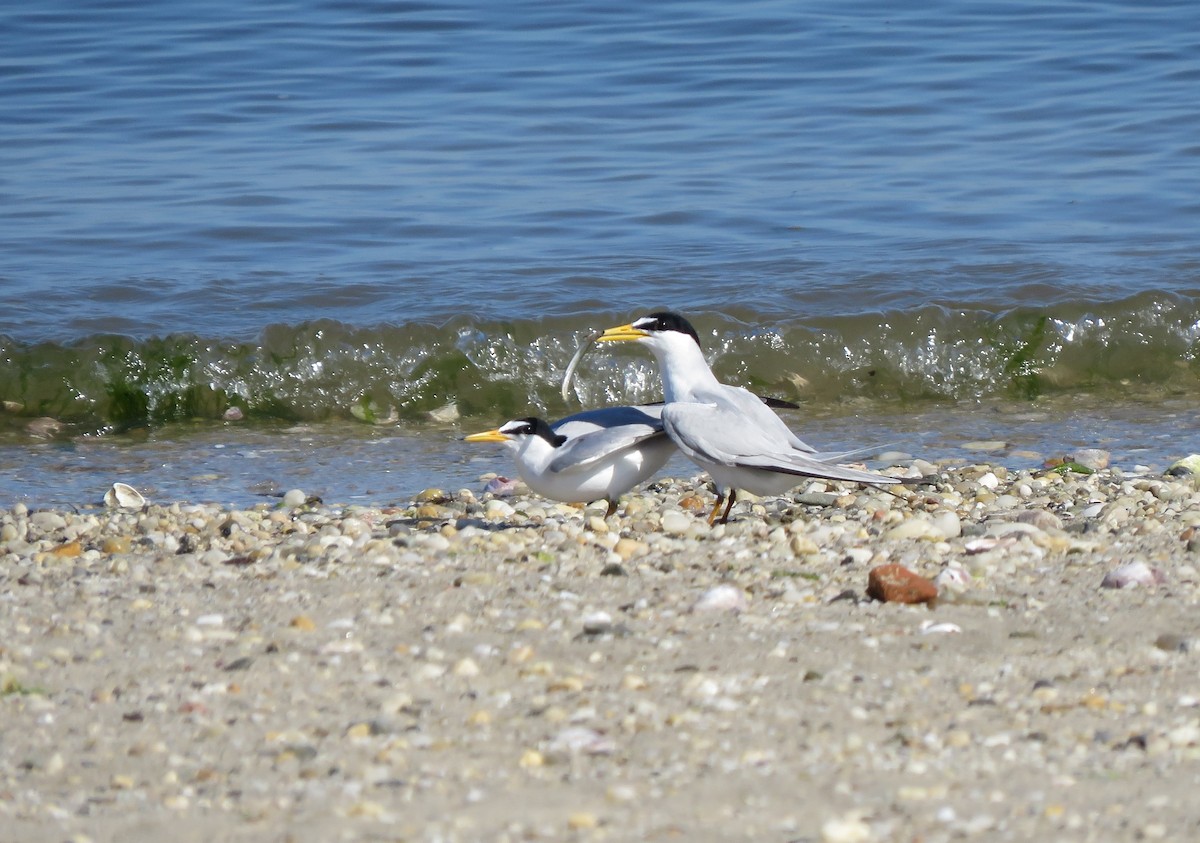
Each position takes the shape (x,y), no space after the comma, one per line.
(913,528)
(68,550)
(294,498)
(582,821)
(1173,642)
(44,428)
(1040,518)
(430,512)
(1189,465)
(466,668)
(897,584)
(803,546)
(47,522)
(628,548)
(597,623)
(847,829)
(498,510)
(1093,458)
(817,498)
(947,524)
(675,522)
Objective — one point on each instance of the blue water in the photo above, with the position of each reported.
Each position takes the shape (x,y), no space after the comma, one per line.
(172,167)
(234,171)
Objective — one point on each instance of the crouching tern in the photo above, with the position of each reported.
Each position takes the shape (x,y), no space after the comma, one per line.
(594,455)
(727,430)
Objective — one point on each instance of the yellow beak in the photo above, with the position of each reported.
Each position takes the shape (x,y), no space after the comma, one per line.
(622,333)
(487,436)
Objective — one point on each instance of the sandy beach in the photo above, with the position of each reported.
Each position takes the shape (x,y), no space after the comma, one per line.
(466,668)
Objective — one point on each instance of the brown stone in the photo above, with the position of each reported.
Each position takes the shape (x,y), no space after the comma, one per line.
(897,584)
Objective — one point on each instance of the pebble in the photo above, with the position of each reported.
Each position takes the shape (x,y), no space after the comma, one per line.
(1187,466)
(48,522)
(1174,643)
(897,584)
(1093,458)
(294,498)
(676,523)
(597,623)
(848,829)
(1040,518)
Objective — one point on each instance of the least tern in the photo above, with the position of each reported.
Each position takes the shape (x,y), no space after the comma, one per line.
(727,430)
(593,455)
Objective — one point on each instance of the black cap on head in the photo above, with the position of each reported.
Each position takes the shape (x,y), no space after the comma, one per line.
(533,426)
(665,320)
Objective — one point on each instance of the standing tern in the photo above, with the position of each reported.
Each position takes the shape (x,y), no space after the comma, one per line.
(593,455)
(727,430)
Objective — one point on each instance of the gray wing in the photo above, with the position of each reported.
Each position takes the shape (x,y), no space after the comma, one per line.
(599,444)
(718,434)
(744,403)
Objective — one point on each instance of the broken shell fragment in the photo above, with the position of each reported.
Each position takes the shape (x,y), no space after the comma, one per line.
(125,496)
(721,598)
(1132,575)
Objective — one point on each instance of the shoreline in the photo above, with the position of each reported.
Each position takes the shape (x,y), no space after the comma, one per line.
(463,668)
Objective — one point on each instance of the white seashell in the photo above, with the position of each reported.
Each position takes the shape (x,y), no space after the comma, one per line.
(952,578)
(575,740)
(930,628)
(1133,574)
(986,544)
(721,598)
(124,495)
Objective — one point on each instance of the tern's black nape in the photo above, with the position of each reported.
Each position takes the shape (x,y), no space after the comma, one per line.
(665,320)
(533,426)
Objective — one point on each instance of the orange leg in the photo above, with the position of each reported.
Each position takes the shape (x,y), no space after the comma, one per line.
(712,516)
